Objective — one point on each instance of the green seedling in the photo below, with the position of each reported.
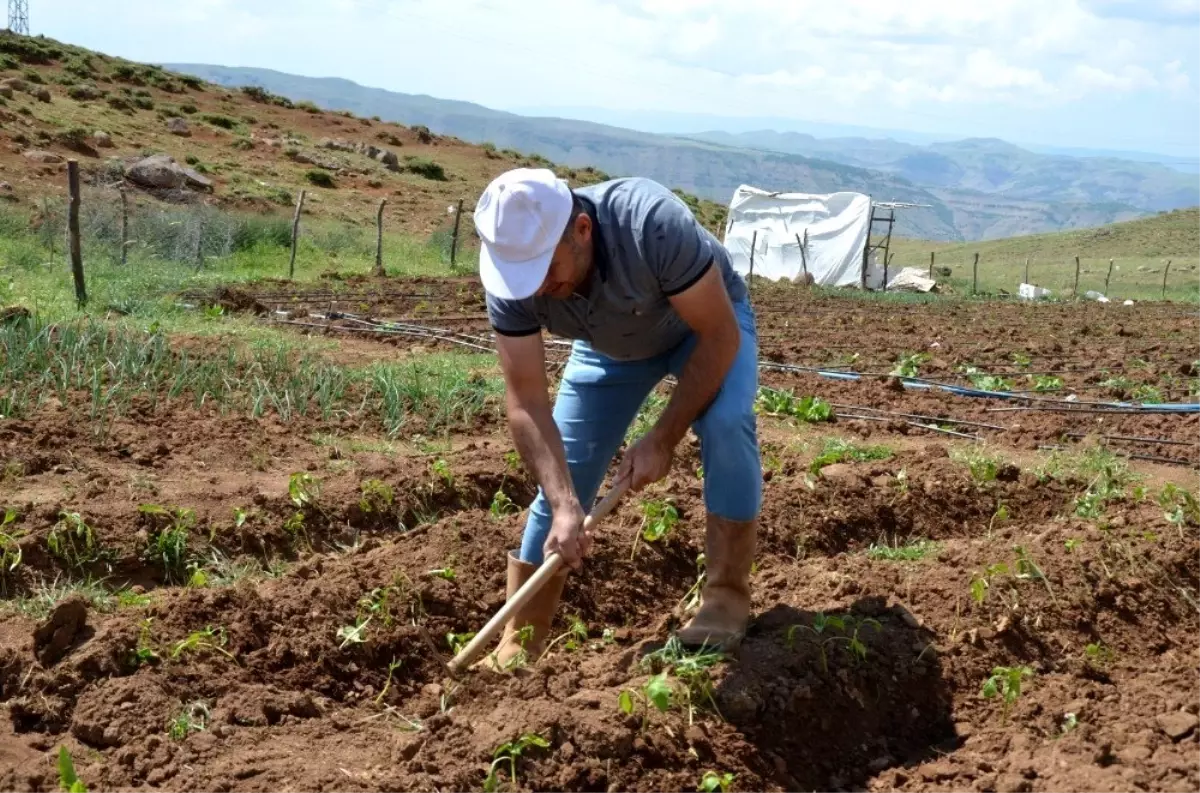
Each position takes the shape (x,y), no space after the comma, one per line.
(656,692)
(1006,682)
(576,636)
(1044,383)
(10,550)
(304,489)
(711,782)
(73,540)
(210,638)
(999,516)
(68,780)
(377,495)
(909,365)
(775,402)
(822,628)
(658,519)
(387,684)
(1022,359)
(447,573)
(1097,653)
(981,582)
(512,460)
(984,381)
(144,652)
(441,469)
(1072,544)
(1180,507)
(511,753)
(691,667)
(168,541)
(502,505)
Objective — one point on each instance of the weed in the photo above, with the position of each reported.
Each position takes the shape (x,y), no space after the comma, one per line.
(458,641)
(1043,383)
(1179,506)
(210,638)
(446,573)
(1006,682)
(576,635)
(73,540)
(511,752)
(984,467)
(67,778)
(353,634)
(837,450)
(441,469)
(193,718)
(168,543)
(984,381)
(320,178)
(911,551)
(692,668)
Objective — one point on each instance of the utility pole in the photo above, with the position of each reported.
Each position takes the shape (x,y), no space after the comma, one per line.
(18,16)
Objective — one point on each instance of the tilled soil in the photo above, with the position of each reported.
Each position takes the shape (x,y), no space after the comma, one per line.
(309,653)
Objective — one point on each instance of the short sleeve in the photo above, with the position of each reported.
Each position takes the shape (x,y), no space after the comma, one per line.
(511,317)
(677,247)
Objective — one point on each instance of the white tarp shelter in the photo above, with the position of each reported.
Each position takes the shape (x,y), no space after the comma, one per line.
(838,226)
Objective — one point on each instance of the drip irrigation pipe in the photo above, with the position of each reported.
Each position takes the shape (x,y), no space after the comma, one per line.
(909,423)
(1132,439)
(1120,453)
(920,416)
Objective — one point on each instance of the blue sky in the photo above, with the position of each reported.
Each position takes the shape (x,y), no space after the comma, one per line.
(1112,74)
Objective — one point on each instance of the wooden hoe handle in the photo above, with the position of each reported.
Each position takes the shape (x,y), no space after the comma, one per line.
(544,573)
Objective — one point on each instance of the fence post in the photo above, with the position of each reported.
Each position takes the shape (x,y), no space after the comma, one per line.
(124,225)
(975,274)
(295,234)
(379,238)
(199,246)
(1075,288)
(73,231)
(931,255)
(1026,269)
(1107,277)
(887,260)
(1166,270)
(454,239)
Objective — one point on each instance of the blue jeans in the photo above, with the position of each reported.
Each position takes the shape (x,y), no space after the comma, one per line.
(598,399)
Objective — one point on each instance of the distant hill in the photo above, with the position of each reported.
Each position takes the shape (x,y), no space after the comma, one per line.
(997,168)
(712,169)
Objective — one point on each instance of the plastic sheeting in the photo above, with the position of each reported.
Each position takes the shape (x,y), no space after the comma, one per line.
(837,224)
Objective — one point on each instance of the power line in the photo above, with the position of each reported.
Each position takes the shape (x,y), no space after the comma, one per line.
(18,16)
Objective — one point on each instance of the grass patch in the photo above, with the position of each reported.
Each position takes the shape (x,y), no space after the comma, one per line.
(1107,477)
(911,551)
(983,465)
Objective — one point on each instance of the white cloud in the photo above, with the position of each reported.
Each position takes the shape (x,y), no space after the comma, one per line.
(853,61)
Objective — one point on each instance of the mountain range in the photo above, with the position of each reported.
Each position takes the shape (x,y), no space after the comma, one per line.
(968,190)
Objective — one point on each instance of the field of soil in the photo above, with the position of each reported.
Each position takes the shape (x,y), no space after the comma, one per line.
(273,600)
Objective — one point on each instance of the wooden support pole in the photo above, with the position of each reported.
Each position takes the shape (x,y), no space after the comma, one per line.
(1166,270)
(753,245)
(1075,288)
(295,235)
(454,239)
(73,232)
(124,225)
(379,238)
(1108,277)
(1026,269)
(887,260)
(931,255)
(803,254)
(975,274)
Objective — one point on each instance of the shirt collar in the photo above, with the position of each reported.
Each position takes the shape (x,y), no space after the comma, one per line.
(599,249)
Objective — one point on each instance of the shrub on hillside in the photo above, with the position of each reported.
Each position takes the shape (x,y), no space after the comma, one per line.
(308,107)
(427,168)
(423,133)
(27,49)
(320,178)
(217,120)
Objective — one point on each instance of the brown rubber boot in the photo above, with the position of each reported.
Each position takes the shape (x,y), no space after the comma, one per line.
(720,623)
(538,613)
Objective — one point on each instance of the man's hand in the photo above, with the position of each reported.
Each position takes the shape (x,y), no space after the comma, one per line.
(646,461)
(567,537)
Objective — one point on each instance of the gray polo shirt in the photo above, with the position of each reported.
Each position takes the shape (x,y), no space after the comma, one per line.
(648,246)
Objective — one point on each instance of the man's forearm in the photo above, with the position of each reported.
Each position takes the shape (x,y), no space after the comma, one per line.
(540,446)
(699,382)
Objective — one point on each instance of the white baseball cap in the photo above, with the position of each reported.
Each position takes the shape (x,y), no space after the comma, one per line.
(520,218)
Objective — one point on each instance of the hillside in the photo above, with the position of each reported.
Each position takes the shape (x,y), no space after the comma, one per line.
(709,170)
(243,149)
(997,168)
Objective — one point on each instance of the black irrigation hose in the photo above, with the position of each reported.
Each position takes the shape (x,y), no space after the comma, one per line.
(920,416)
(1132,439)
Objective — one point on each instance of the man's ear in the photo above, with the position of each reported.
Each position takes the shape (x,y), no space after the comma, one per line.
(583,228)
